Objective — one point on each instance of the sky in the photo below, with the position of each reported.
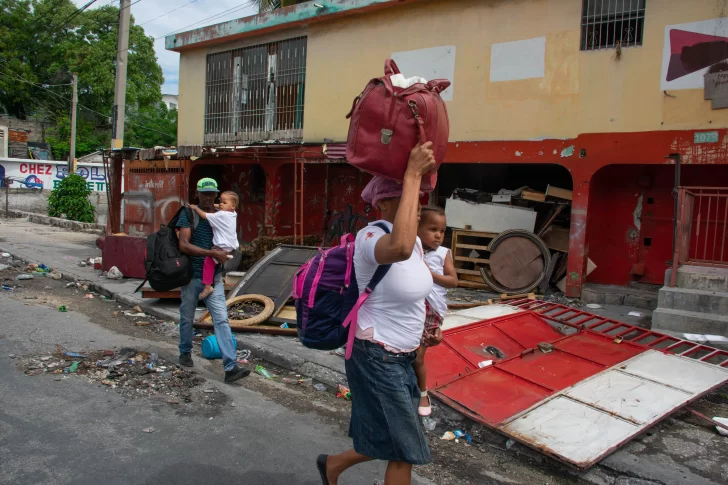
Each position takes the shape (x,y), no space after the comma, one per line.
(196,11)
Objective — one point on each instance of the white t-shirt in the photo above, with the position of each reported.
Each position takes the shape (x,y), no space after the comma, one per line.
(438,296)
(396,308)
(224,230)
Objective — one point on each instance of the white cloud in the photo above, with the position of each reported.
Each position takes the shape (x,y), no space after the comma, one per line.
(146,10)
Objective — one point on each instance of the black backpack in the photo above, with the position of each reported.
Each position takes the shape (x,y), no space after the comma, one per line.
(167,268)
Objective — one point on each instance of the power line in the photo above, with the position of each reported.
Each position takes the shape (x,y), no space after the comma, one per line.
(174,10)
(86,107)
(230,10)
(76,14)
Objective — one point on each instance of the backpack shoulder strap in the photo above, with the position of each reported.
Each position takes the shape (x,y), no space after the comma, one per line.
(382,269)
(193,218)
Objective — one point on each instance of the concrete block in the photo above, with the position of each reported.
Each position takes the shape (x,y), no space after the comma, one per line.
(689,322)
(686,299)
(702,278)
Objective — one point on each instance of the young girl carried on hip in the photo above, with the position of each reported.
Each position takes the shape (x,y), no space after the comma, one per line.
(431,232)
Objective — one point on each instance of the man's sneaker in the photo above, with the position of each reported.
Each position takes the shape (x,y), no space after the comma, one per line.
(185,359)
(236,373)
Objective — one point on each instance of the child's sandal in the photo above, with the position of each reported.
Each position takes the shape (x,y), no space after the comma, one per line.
(425,410)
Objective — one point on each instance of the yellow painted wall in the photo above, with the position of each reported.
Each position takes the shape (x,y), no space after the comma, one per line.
(581,92)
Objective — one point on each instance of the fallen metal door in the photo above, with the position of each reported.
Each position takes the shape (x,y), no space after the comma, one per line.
(272,276)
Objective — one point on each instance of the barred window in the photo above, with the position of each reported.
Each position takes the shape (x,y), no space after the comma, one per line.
(611,23)
(256,93)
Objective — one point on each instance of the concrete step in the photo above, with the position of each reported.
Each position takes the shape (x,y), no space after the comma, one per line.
(689,322)
(687,299)
(700,278)
(620,295)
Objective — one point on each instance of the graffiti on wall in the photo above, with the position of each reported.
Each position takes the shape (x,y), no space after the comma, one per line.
(346,222)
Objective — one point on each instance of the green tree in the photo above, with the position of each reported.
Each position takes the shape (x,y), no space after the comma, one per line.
(38,43)
(70,200)
(153,126)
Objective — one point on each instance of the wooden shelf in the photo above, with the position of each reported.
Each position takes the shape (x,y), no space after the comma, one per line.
(467,266)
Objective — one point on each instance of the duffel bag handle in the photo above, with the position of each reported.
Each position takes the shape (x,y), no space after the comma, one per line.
(438,85)
(390,67)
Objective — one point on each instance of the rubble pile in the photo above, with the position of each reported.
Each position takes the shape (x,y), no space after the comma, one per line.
(133,373)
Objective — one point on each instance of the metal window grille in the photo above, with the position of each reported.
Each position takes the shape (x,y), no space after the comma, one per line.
(611,23)
(256,93)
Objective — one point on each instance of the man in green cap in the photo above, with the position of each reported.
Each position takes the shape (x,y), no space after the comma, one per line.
(198,245)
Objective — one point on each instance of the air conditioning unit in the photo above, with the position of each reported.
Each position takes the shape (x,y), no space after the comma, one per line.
(3,141)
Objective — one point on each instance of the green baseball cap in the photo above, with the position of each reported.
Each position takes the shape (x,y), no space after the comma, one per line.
(207,185)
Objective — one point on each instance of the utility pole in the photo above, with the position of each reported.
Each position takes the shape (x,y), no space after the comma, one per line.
(117,136)
(74,109)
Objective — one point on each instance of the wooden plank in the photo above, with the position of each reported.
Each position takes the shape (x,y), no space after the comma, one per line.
(533,195)
(558,193)
(472,260)
(467,271)
(557,238)
(473,284)
(148,292)
(287,312)
(470,246)
(466,233)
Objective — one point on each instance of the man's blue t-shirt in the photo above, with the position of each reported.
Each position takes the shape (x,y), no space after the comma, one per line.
(201,237)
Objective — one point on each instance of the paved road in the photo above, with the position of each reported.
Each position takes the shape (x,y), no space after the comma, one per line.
(75,431)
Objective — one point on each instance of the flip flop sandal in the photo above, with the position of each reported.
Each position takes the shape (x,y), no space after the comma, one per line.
(425,410)
(321,465)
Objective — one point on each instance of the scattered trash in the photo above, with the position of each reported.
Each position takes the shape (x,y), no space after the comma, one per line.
(509,444)
(448,436)
(319,387)
(55,275)
(34,372)
(142,324)
(135,315)
(136,309)
(343,392)
(7,288)
(73,367)
(705,338)
(114,274)
(262,371)
(149,430)
(5,255)
(593,306)
(12,356)
(722,431)
(459,434)
(24,276)
(90,296)
(3,267)
(75,355)
(63,308)
(634,314)
(288,380)
(429,423)
(285,325)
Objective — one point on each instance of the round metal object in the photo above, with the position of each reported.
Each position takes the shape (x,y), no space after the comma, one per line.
(518,260)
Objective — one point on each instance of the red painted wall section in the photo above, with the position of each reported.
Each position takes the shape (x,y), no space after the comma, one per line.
(630,219)
(332,201)
(162,187)
(248,181)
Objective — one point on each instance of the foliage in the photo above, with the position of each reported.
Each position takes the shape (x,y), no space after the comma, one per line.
(35,45)
(266,5)
(153,126)
(70,199)
(88,138)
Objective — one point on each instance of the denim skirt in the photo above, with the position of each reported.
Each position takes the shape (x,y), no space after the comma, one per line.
(384,393)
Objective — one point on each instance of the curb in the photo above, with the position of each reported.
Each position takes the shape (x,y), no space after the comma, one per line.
(58,222)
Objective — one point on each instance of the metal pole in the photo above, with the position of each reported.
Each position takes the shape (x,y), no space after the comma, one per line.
(676,158)
(117,137)
(7,204)
(74,109)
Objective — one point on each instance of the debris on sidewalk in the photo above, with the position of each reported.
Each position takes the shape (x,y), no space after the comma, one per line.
(133,373)
(114,274)
(24,276)
(722,431)
(343,392)
(262,371)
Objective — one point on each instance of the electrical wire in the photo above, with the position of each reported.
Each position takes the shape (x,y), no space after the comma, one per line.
(230,10)
(167,13)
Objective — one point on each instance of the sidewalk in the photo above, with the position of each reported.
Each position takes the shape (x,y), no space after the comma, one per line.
(677,451)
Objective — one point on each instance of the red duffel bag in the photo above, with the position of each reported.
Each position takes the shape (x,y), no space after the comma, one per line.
(387,122)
